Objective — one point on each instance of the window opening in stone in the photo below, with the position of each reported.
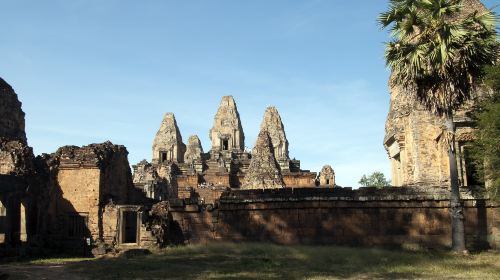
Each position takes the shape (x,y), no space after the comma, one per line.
(129,227)
(471,172)
(328,181)
(225,145)
(163,156)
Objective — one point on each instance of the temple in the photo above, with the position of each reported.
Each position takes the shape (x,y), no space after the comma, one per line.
(177,170)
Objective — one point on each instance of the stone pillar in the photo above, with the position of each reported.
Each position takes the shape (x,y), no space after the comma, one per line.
(3,217)
(12,220)
(23,231)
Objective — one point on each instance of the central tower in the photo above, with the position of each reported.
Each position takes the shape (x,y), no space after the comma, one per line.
(227,132)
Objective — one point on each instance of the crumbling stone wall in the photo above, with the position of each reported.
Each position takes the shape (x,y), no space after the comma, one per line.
(81,181)
(15,157)
(300,179)
(342,216)
(18,183)
(11,115)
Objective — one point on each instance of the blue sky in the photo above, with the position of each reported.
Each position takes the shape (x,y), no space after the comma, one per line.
(94,70)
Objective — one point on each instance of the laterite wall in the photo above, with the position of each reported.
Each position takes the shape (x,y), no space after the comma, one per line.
(366,217)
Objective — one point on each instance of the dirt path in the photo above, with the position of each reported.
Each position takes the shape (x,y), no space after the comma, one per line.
(41,272)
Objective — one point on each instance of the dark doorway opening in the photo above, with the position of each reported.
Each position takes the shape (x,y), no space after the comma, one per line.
(77,226)
(225,145)
(163,157)
(130,227)
(328,181)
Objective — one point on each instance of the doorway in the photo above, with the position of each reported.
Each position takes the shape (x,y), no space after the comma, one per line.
(129,227)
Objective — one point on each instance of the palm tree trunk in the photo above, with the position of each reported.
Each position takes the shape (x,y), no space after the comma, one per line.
(457,215)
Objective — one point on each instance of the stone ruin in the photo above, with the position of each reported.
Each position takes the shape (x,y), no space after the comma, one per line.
(194,154)
(11,114)
(86,199)
(167,145)
(204,176)
(17,169)
(326,176)
(227,132)
(264,171)
(276,130)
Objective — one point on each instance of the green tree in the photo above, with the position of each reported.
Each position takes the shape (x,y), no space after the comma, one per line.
(376,179)
(486,147)
(437,53)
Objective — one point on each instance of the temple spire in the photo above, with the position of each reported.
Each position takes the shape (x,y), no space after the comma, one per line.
(227,132)
(263,172)
(168,145)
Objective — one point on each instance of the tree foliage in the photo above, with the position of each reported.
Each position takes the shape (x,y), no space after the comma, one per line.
(376,179)
(438,50)
(437,53)
(486,147)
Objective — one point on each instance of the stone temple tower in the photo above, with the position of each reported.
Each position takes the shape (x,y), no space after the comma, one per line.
(263,172)
(327,176)
(167,145)
(272,124)
(227,132)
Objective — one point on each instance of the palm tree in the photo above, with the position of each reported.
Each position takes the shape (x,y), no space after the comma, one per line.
(437,53)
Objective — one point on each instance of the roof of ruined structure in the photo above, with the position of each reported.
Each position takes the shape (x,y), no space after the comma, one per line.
(327,169)
(194,142)
(5,86)
(194,148)
(271,122)
(91,155)
(168,127)
(228,110)
(11,114)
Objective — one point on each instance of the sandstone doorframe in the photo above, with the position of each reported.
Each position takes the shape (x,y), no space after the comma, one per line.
(129,223)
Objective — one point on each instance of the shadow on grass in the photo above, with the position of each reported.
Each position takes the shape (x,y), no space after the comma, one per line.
(266,261)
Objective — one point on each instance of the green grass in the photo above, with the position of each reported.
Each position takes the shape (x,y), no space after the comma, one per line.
(265,261)
(56,261)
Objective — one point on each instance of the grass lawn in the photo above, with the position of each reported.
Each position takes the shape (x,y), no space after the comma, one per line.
(265,261)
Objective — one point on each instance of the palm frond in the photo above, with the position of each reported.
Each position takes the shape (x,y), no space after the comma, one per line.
(438,52)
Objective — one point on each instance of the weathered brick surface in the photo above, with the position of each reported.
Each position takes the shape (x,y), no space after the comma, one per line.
(396,217)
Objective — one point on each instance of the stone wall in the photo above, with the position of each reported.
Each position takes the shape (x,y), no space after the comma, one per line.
(392,217)
(300,179)
(79,183)
(18,187)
